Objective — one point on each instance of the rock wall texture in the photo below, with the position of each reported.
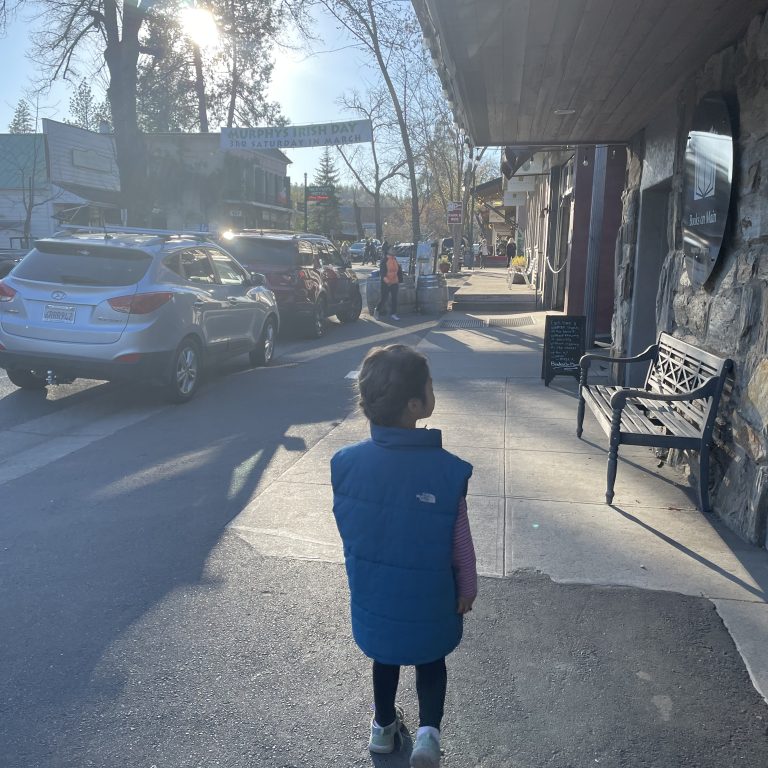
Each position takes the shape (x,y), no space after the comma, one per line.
(729,314)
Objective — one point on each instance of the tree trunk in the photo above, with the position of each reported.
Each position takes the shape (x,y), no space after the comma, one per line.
(28,207)
(377,213)
(122,58)
(202,107)
(235,73)
(416,226)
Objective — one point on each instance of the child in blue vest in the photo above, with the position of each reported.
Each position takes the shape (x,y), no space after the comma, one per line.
(400,507)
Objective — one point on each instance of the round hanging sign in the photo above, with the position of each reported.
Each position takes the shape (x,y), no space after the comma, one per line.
(707,190)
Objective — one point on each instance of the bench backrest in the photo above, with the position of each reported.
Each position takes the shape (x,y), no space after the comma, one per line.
(681,367)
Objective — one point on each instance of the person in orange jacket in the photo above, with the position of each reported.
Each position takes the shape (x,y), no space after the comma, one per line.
(391,276)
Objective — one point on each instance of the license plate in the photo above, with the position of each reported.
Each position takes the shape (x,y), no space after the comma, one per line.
(58,313)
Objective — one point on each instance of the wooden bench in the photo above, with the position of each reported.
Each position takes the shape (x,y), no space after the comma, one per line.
(676,408)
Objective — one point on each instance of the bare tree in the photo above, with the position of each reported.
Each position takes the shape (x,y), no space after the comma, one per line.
(71,30)
(369,168)
(387,32)
(26,162)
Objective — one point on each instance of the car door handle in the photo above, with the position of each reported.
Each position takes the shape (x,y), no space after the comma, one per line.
(233,299)
(200,304)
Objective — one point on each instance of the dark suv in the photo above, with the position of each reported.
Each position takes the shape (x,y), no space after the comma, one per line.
(307,274)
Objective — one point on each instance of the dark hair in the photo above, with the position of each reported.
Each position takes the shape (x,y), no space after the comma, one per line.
(389,378)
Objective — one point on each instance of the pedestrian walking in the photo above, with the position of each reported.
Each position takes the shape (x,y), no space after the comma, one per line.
(469,258)
(483,253)
(368,252)
(399,500)
(391,274)
(511,251)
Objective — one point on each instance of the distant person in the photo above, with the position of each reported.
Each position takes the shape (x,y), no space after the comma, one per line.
(469,258)
(399,500)
(369,252)
(391,274)
(384,248)
(511,251)
(483,253)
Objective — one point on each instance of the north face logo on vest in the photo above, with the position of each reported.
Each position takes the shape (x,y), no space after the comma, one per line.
(426,498)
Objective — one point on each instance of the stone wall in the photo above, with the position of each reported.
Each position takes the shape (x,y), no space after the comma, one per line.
(729,314)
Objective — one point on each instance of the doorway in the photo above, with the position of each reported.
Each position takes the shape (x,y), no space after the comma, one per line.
(652,249)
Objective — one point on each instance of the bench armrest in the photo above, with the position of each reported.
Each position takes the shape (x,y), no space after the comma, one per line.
(648,354)
(586,360)
(708,388)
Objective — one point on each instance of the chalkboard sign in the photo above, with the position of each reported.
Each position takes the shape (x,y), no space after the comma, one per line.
(563,346)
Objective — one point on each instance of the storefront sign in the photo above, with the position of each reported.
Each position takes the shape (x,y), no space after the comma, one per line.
(297,136)
(520,184)
(319,193)
(707,193)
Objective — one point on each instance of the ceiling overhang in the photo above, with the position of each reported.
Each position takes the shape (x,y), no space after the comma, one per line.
(562,72)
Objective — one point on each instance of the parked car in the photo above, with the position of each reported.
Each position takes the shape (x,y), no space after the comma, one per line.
(136,306)
(357,250)
(308,275)
(405,253)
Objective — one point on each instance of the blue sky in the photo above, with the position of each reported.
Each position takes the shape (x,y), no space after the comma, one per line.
(305,83)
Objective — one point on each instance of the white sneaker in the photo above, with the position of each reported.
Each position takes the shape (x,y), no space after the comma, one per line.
(375,314)
(394,317)
(382,740)
(426,751)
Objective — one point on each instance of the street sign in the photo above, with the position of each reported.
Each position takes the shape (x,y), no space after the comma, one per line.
(455,208)
(318,193)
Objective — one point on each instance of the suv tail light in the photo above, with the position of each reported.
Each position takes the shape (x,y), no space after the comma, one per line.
(140,303)
(6,292)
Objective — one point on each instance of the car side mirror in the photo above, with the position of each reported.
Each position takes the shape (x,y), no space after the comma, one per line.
(258,279)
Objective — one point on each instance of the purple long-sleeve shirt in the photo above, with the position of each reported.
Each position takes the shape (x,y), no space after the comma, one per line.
(464,560)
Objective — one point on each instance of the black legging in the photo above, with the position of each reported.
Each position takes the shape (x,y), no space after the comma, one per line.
(391,291)
(431,683)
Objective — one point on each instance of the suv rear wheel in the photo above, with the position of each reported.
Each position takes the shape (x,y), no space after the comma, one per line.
(352,312)
(184,377)
(25,379)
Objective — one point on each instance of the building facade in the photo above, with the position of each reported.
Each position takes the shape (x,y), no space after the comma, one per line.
(625,82)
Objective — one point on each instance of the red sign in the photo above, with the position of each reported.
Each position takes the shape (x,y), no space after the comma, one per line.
(455,209)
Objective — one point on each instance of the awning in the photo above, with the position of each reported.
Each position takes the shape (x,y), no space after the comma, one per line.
(571,71)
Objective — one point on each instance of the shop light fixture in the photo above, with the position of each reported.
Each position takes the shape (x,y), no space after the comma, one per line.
(564,112)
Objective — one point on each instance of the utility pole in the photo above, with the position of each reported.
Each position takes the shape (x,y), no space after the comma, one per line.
(305,202)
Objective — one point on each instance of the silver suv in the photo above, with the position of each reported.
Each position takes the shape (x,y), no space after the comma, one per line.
(135,306)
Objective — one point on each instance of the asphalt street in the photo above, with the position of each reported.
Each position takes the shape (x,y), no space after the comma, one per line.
(140,629)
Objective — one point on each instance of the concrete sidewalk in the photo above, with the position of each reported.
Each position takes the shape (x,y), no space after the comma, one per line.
(537,506)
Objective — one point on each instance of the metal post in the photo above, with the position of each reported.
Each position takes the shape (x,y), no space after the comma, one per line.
(305,202)
(595,239)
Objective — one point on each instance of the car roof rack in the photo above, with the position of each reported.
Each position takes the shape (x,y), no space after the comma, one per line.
(161,234)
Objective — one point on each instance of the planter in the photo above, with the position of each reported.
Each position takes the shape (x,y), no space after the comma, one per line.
(444,268)
(517,276)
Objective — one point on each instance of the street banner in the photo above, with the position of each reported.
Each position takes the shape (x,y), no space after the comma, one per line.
(297,136)
(454,212)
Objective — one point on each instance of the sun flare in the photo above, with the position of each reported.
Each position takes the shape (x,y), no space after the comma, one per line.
(200,27)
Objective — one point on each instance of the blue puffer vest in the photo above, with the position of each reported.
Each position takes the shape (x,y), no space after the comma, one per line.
(395,499)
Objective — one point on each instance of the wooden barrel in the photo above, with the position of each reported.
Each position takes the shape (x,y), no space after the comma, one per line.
(432,295)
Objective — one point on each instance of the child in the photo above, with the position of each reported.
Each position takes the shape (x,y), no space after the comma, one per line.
(399,502)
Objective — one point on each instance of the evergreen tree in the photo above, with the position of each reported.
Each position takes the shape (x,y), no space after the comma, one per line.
(22,119)
(85,111)
(325,216)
